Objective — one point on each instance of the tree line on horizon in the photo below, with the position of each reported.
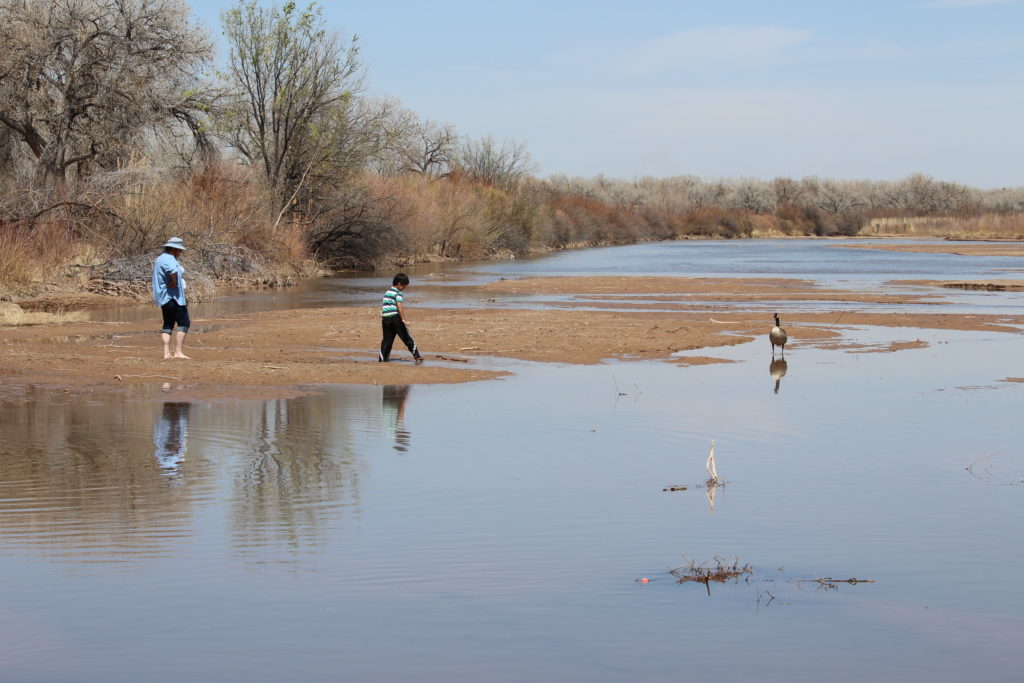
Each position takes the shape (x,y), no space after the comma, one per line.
(116,132)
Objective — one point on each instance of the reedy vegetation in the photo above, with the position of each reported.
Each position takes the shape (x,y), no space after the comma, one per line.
(113,137)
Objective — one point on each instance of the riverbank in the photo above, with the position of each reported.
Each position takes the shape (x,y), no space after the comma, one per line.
(959,247)
(84,289)
(272,353)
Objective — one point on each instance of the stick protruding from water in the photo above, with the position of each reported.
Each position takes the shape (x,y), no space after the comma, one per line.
(713,479)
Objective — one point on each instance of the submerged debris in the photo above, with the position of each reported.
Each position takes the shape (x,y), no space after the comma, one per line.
(828,580)
(720,572)
(713,479)
(711,484)
(724,571)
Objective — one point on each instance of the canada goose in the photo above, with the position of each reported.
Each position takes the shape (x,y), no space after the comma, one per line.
(778,337)
(778,371)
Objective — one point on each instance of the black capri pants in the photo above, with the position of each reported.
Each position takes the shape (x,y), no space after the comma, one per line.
(175,314)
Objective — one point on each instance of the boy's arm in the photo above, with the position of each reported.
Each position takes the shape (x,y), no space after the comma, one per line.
(401,313)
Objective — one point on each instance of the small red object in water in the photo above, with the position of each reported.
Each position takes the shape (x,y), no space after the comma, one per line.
(644,580)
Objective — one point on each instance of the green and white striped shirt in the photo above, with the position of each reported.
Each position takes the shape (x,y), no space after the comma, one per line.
(389,306)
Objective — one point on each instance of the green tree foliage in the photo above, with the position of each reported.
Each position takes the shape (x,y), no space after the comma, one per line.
(293,109)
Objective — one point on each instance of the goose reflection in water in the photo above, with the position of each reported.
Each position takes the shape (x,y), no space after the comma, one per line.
(393,401)
(778,371)
(169,435)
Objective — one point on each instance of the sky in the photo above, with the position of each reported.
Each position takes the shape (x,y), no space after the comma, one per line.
(848,89)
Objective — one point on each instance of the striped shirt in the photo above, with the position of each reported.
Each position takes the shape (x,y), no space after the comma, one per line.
(389,306)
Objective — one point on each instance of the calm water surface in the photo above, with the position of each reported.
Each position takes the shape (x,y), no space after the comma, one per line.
(496,531)
(825,262)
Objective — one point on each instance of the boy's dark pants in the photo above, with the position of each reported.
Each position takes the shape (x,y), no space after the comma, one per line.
(393,326)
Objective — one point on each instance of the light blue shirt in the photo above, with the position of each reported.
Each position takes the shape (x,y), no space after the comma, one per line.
(169,435)
(165,266)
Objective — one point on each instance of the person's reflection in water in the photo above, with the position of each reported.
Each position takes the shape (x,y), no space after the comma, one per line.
(169,434)
(778,371)
(393,403)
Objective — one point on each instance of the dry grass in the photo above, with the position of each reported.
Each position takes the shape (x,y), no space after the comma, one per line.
(82,243)
(221,204)
(13,315)
(29,256)
(986,226)
(447,218)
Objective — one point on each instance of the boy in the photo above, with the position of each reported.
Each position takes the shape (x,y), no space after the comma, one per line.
(393,322)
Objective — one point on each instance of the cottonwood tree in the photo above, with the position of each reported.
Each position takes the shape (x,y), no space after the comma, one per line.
(413,145)
(786,191)
(294,88)
(427,148)
(80,80)
(753,195)
(834,197)
(1004,200)
(484,160)
(574,185)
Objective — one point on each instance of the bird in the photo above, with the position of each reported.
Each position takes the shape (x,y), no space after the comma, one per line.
(778,337)
(778,371)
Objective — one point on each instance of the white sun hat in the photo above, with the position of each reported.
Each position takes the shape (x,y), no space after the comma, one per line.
(175,243)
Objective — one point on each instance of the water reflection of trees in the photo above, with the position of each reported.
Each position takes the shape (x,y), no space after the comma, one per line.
(117,476)
(300,470)
(78,477)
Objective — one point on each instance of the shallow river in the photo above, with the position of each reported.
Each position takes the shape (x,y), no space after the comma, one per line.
(499,531)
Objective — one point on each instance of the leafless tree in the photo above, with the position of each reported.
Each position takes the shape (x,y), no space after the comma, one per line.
(80,80)
(787,191)
(1004,200)
(484,160)
(752,194)
(581,187)
(414,145)
(707,193)
(833,197)
(429,149)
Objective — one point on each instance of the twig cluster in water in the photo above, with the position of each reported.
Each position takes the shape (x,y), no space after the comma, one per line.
(724,571)
(720,572)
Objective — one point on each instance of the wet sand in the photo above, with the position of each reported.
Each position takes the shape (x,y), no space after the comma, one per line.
(963,248)
(991,285)
(272,353)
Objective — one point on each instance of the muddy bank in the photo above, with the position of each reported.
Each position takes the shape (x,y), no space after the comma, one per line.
(989,285)
(261,354)
(1008,248)
(662,292)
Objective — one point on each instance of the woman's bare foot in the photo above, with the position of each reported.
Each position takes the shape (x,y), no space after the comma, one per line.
(181,355)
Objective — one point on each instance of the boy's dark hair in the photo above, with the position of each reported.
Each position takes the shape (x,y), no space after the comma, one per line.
(401,279)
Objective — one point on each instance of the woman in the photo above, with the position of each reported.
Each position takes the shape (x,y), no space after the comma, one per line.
(169,295)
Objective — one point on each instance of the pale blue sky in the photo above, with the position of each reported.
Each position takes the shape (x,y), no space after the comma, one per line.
(851,89)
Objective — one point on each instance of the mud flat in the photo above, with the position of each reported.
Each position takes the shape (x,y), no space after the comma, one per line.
(993,248)
(596,318)
(990,285)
